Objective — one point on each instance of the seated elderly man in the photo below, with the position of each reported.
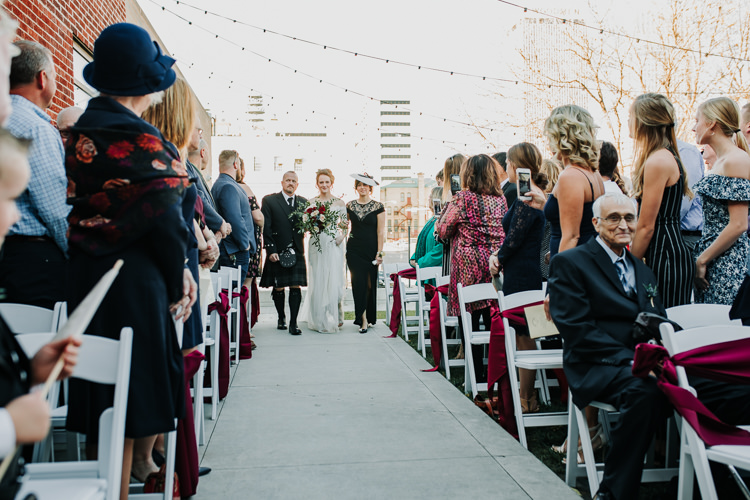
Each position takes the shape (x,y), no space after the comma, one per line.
(596,291)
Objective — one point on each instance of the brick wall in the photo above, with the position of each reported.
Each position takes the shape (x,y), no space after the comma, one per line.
(54,24)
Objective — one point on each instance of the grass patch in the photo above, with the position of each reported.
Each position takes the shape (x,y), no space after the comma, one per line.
(349,315)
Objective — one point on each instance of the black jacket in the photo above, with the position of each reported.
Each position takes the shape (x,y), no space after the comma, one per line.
(278,231)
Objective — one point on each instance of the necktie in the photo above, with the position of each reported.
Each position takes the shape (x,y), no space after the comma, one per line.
(622,274)
(290,201)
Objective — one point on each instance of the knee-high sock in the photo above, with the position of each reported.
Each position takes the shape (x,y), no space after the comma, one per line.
(279,302)
(295,299)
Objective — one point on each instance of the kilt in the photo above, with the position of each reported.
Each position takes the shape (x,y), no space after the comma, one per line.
(274,275)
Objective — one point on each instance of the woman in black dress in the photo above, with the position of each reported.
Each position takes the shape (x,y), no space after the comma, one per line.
(518,257)
(659,182)
(126,187)
(364,250)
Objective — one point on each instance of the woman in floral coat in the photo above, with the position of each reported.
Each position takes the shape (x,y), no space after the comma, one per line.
(473,223)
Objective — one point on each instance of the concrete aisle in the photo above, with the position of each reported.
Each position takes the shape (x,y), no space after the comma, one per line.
(329,416)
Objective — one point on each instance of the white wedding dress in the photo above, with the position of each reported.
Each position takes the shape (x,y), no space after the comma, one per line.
(322,309)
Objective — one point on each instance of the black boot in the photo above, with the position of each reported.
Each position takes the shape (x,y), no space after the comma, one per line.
(295,299)
(279,302)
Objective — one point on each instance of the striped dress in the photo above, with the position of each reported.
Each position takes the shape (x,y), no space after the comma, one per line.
(667,254)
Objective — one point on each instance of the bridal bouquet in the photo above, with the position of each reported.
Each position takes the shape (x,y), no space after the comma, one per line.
(317,218)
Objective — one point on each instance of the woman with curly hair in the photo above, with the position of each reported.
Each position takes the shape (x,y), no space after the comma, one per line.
(570,131)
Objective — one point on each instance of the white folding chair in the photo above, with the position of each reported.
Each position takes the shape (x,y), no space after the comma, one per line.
(445,322)
(23,319)
(408,296)
(423,305)
(212,339)
(389,269)
(104,361)
(538,360)
(696,315)
(694,454)
(466,296)
(231,281)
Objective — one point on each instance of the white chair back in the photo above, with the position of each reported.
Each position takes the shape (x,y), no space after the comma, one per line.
(696,315)
(466,296)
(23,318)
(694,454)
(388,269)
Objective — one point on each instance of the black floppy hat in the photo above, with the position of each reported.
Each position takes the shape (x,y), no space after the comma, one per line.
(128,63)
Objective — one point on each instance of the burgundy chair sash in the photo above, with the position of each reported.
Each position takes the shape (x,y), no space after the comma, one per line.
(408,273)
(221,306)
(246,351)
(497,365)
(186,457)
(436,341)
(726,361)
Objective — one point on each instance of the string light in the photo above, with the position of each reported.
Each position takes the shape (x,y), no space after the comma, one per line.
(623,35)
(337,49)
(320,80)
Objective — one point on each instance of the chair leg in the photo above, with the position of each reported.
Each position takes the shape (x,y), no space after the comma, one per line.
(571,457)
(469,358)
(588,450)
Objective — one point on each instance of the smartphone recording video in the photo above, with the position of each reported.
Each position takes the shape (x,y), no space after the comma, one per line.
(524,182)
(455,183)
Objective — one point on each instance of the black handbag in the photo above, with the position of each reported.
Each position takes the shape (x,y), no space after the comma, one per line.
(646,327)
(288,257)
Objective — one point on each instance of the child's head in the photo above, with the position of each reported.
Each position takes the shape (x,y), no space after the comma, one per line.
(14,175)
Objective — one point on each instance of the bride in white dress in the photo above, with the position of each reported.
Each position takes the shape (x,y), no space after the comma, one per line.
(322,309)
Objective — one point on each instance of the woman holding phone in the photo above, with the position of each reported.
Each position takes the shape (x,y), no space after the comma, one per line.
(518,257)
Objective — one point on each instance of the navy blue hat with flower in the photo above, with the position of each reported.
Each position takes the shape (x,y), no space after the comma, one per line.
(128,63)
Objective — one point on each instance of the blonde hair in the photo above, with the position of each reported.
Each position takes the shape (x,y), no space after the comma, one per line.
(324,171)
(452,166)
(174,116)
(653,129)
(726,114)
(570,130)
(552,169)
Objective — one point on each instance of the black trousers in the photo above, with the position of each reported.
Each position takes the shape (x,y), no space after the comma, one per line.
(643,408)
(33,272)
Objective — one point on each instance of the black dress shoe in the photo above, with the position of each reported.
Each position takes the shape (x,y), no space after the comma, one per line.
(294,330)
(603,495)
(202,471)
(281,325)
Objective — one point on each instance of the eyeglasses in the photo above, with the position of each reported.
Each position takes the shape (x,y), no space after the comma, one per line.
(614,219)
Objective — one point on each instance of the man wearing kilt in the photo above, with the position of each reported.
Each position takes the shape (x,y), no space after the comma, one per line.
(280,237)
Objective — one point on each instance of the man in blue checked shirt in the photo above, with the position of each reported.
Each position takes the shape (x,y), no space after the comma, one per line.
(33,265)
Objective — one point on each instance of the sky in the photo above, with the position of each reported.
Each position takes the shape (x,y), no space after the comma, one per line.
(472,36)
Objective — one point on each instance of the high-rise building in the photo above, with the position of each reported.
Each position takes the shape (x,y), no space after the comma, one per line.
(551,67)
(395,140)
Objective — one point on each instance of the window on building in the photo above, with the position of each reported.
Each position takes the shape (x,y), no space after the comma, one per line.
(277,165)
(394,156)
(408,199)
(395,145)
(392,113)
(82,91)
(257,165)
(403,197)
(390,225)
(389,210)
(297,164)
(395,124)
(395,134)
(395,102)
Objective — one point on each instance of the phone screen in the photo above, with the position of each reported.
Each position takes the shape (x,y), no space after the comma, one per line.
(524,181)
(455,183)
(436,206)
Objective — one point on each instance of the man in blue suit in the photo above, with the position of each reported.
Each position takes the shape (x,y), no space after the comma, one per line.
(233,205)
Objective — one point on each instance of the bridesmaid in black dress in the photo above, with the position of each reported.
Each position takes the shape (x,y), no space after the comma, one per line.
(660,182)
(364,250)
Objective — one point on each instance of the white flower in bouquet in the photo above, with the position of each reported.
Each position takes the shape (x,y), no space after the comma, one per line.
(305,217)
(322,218)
